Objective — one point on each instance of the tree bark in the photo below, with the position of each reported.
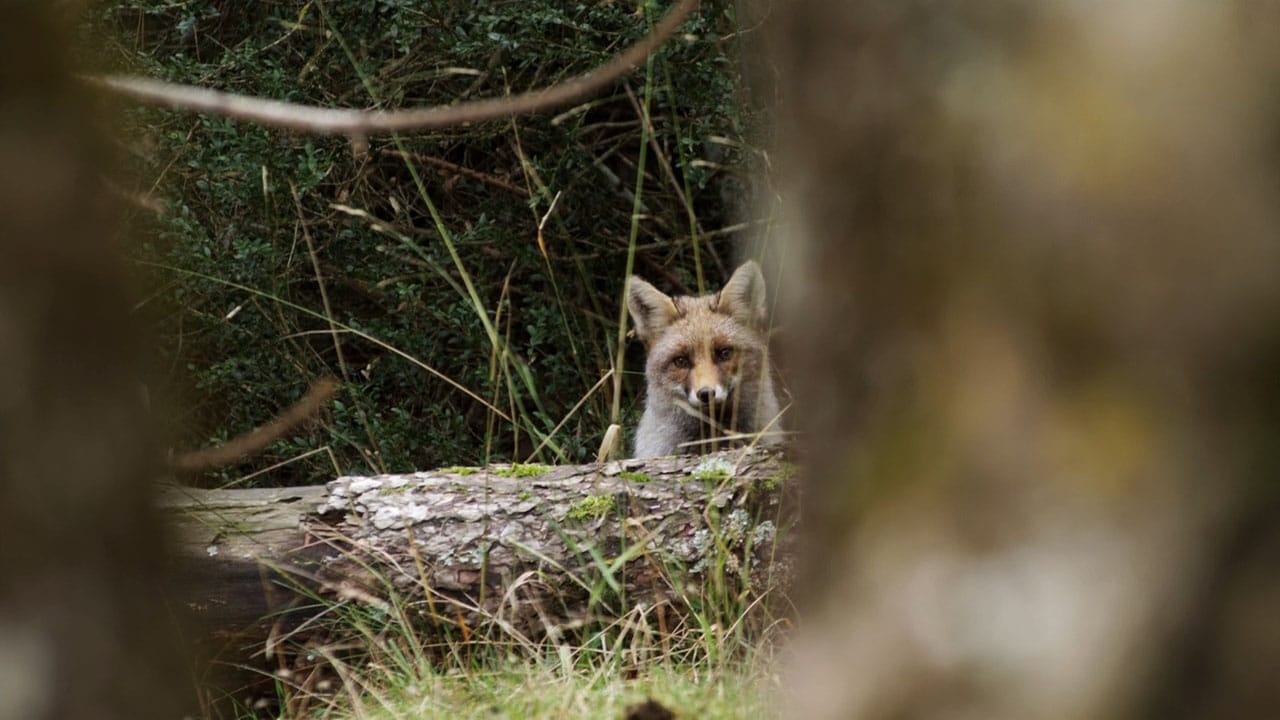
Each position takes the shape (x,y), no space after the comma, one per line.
(519,549)
(1037,331)
(83,635)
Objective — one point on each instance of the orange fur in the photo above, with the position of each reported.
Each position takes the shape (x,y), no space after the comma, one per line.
(707,369)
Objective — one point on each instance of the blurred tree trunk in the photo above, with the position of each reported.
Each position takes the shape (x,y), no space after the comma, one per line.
(82,631)
(1038,358)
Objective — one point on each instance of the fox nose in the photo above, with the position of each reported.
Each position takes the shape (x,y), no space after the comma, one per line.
(705,394)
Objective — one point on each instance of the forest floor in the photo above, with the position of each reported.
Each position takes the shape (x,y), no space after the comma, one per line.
(537,690)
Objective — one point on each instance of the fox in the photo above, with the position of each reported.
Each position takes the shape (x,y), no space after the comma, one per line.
(707,371)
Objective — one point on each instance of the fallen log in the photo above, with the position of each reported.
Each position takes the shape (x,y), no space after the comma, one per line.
(524,550)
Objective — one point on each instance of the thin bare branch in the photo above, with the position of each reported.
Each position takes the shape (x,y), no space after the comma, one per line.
(255,440)
(360,123)
(447,167)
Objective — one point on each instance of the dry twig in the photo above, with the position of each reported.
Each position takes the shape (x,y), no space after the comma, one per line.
(258,438)
(360,123)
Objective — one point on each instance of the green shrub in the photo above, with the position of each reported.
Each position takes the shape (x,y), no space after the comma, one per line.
(238,272)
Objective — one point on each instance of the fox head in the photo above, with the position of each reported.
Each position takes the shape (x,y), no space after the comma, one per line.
(708,352)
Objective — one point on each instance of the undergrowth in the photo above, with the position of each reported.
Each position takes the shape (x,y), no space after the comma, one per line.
(465,283)
(400,675)
(700,641)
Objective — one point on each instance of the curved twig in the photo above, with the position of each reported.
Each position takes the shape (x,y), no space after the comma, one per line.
(255,440)
(357,123)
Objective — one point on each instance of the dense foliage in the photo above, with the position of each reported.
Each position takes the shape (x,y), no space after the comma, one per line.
(271,258)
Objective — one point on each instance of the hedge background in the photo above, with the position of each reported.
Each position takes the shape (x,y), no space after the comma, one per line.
(248,240)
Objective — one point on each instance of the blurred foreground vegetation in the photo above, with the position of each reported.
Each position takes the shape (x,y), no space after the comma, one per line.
(269,259)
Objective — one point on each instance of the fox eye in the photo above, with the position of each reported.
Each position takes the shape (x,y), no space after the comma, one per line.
(723,354)
(682,362)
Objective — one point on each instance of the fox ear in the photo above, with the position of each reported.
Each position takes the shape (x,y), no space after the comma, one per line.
(743,296)
(651,309)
